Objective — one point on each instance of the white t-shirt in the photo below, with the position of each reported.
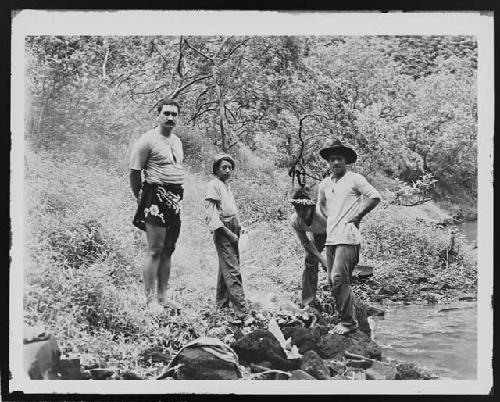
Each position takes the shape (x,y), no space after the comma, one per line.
(160,157)
(343,199)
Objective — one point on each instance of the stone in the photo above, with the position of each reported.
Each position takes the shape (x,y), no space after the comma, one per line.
(205,359)
(388,290)
(333,346)
(129,375)
(271,375)
(301,375)
(305,338)
(69,369)
(363,364)
(379,371)
(362,317)
(467,298)
(261,345)
(41,354)
(85,375)
(336,367)
(101,374)
(410,371)
(259,368)
(312,364)
(374,311)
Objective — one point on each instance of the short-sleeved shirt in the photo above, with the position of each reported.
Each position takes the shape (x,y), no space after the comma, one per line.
(220,203)
(160,157)
(343,199)
(317,226)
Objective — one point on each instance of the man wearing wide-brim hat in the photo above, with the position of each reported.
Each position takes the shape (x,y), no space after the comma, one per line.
(345,197)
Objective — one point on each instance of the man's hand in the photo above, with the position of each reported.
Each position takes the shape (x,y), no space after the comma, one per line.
(322,261)
(356,219)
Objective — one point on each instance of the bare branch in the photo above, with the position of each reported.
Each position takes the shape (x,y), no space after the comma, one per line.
(235,48)
(149,92)
(180,89)
(198,51)
(179,61)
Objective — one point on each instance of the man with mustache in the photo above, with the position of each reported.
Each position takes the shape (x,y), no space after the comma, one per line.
(344,198)
(159,155)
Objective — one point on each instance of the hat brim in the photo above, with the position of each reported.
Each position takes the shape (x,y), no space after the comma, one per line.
(348,153)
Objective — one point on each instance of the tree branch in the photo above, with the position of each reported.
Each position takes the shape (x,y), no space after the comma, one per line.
(180,89)
(198,51)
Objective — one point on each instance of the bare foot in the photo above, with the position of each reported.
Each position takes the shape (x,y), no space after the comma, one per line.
(342,329)
(155,307)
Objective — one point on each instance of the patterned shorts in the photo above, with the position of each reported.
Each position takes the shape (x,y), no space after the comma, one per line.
(160,205)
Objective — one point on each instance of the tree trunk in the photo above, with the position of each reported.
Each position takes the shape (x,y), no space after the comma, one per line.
(220,102)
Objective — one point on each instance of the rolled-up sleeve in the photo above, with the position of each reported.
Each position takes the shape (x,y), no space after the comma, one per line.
(212,216)
(139,154)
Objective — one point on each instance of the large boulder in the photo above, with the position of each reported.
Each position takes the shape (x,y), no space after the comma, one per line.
(305,338)
(312,364)
(41,354)
(261,345)
(205,359)
(333,346)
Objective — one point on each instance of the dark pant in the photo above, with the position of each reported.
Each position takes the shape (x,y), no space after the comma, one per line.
(342,259)
(229,283)
(310,274)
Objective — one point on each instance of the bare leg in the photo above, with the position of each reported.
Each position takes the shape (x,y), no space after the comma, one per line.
(163,276)
(155,237)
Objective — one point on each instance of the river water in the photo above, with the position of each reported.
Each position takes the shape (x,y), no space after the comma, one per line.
(442,338)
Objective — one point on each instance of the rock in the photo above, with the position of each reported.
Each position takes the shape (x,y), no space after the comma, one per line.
(69,369)
(305,338)
(301,375)
(271,375)
(410,371)
(41,354)
(129,375)
(467,298)
(101,374)
(361,317)
(374,311)
(363,364)
(259,368)
(354,375)
(85,375)
(389,290)
(379,371)
(261,345)
(445,310)
(312,364)
(357,342)
(336,367)
(205,359)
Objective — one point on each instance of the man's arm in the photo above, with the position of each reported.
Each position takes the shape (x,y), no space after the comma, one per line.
(322,201)
(310,247)
(365,207)
(135,182)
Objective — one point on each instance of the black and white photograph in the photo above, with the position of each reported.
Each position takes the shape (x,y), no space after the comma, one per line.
(252,196)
